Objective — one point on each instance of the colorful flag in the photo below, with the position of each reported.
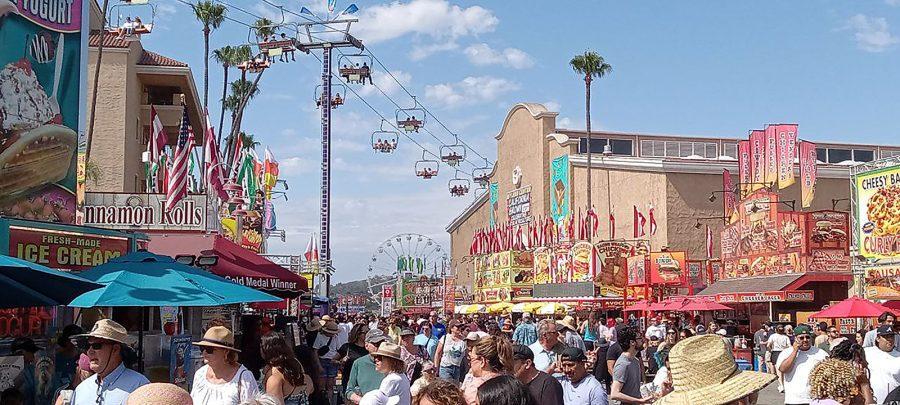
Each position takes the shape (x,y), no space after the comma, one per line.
(771,161)
(709,242)
(652,222)
(728,199)
(270,172)
(807,173)
(176,188)
(787,151)
(156,148)
(312,249)
(248,179)
(744,175)
(757,159)
(269,215)
(639,222)
(594,222)
(214,176)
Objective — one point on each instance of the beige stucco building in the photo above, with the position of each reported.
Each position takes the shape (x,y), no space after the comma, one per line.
(674,174)
(131,79)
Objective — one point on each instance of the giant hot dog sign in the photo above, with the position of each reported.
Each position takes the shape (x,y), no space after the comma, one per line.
(64,250)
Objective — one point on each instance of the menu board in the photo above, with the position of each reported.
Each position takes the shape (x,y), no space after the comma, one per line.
(883,283)
(667,267)
(827,230)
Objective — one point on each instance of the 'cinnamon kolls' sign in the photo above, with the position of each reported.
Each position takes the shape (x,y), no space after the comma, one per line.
(145,212)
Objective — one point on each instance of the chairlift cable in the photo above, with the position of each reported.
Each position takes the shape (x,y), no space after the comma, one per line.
(226,17)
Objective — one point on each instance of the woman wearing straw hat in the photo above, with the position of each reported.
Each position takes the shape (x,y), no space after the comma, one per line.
(222,380)
(704,372)
(106,343)
(394,388)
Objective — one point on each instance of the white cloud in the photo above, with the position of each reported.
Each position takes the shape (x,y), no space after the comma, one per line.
(295,166)
(564,122)
(471,90)
(872,34)
(437,19)
(892,2)
(483,54)
(420,52)
(386,83)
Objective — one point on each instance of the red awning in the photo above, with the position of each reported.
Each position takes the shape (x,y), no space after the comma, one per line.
(250,269)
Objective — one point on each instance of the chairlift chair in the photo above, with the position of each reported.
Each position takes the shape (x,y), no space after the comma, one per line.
(355,68)
(131,26)
(427,168)
(255,65)
(482,175)
(454,153)
(384,141)
(458,186)
(338,95)
(411,119)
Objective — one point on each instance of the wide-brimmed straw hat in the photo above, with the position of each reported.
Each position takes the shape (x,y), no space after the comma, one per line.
(330,327)
(568,322)
(107,329)
(218,336)
(388,349)
(159,394)
(314,324)
(704,372)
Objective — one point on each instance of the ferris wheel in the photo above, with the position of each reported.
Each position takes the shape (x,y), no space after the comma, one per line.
(404,255)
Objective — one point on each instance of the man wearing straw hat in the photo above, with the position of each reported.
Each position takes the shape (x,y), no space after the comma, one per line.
(112,382)
(703,371)
(796,363)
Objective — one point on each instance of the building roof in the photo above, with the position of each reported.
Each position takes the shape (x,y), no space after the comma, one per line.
(751,284)
(150,58)
(109,41)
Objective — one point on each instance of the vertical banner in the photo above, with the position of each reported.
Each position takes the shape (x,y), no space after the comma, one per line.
(787,151)
(179,360)
(771,155)
(807,173)
(41,107)
(494,192)
(387,300)
(728,199)
(559,188)
(757,159)
(744,175)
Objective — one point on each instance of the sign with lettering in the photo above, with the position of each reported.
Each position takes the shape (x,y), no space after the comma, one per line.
(876,229)
(768,296)
(64,250)
(882,283)
(518,206)
(145,212)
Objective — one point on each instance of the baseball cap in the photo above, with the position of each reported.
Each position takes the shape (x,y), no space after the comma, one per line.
(885,330)
(476,335)
(407,332)
(375,336)
(573,354)
(522,352)
(802,330)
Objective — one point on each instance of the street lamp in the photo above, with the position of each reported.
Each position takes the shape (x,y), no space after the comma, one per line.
(697,225)
(756,208)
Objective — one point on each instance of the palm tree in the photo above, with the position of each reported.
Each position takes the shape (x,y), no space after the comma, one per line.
(248,141)
(211,15)
(242,91)
(590,65)
(90,131)
(228,56)
(264,28)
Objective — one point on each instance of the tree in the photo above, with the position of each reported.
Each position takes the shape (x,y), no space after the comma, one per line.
(90,132)
(264,27)
(228,56)
(242,91)
(211,15)
(591,65)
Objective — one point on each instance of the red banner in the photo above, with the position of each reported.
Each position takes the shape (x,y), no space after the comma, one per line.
(637,270)
(768,296)
(449,294)
(744,175)
(807,173)
(757,159)
(787,151)
(729,198)
(64,250)
(771,155)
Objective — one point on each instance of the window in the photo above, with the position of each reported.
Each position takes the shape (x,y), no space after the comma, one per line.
(619,146)
(161,95)
(679,149)
(839,155)
(889,153)
(862,155)
(822,155)
(730,150)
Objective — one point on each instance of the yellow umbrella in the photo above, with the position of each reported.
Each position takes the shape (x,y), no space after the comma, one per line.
(460,308)
(499,307)
(533,306)
(474,308)
(553,308)
(518,308)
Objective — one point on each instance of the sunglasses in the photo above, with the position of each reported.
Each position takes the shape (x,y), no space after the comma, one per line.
(376,358)
(802,337)
(95,346)
(209,350)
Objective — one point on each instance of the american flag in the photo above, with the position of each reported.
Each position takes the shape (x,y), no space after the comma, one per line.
(178,174)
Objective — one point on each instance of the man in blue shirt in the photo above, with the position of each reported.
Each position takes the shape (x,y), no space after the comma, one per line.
(526,332)
(579,387)
(437,328)
(426,340)
(112,382)
(547,347)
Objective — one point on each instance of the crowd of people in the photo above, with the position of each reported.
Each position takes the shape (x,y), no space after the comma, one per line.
(482,359)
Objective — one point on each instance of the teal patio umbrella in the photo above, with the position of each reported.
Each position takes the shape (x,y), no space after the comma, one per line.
(27,284)
(144,279)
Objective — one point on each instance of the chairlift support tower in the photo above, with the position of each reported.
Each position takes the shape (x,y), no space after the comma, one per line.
(326,35)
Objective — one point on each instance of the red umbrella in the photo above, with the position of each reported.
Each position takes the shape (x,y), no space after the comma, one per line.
(853,307)
(675,305)
(704,305)
(894,305)
(638,306)
(658,306)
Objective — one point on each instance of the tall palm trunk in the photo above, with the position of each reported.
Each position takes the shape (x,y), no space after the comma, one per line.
(236,124)
(222,114)
(206,31)
(587,113)
(90,132)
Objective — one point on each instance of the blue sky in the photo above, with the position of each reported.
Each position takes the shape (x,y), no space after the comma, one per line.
(699,68)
